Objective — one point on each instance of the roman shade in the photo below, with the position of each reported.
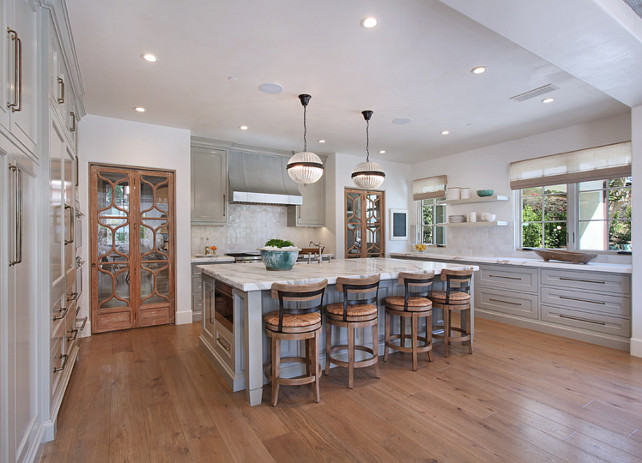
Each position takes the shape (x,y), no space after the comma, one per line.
(430,187)
(597,163)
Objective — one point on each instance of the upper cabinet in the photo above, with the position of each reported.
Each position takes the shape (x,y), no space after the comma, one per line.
(62,98)
(312,212)
(19,72)
(209,186)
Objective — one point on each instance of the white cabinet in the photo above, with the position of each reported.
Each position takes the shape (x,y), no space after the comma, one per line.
(312,212)
(209,186)
(19,100)
(19,373)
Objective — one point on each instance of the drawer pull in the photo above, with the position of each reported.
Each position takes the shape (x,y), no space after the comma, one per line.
(64,358)
(580,319)
(61,314)
(223,343)
(505,277)
(504,302)
(74,335)
(582,300)
(583,281)
(82,325)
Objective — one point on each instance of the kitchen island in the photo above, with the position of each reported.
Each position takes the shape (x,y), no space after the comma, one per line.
(235,297)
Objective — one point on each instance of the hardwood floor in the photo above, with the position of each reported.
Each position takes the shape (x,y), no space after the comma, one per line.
(152,395)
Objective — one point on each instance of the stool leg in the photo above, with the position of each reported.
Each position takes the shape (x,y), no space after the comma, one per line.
(413,339)
(386,336)
(328,347)
(276,366)
(446,330)
(402,331)
(308,356)
(317,370)
(429,335)
(375,347)
(469,333)
(351,330)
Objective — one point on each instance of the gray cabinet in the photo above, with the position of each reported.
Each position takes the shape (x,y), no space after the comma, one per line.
(312,212)
(209,186)
(197,288)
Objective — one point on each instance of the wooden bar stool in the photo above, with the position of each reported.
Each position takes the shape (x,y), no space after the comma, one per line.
(455,298)
(298,318)
(414,305)
(352,313)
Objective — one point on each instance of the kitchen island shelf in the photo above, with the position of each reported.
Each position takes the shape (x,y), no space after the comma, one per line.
(498,223)
(481,199)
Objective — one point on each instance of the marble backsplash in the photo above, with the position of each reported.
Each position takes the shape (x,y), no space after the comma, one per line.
(248,228)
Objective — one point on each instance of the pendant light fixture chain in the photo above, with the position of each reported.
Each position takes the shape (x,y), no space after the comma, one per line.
(367,115)
(305,99)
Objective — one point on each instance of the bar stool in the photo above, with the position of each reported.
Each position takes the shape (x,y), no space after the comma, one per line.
(352,313)
(298,318)
(455,298)
(414,305)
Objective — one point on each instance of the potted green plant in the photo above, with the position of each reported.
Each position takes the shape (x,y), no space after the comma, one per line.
(279,254)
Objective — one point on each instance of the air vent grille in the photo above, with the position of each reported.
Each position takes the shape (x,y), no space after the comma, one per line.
(535,93)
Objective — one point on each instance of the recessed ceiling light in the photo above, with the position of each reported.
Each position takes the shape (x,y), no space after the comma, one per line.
(243,127)
(140,109)
(232,78)
(382,151)
(445,132)
(548,100)
(369,22)
(478,70)
(321,140)
(271,88)
(401,120)
(150,58)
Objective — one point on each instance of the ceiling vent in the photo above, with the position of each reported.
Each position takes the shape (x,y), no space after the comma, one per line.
(535,93)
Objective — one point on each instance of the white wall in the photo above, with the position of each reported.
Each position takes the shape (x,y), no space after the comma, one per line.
(115,141)
(636,229)
(488,167)
(396,187)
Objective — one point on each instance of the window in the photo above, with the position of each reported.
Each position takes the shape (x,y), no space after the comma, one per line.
(594,215)
(431,214)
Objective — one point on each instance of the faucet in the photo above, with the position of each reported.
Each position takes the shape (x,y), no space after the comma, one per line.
(318,245)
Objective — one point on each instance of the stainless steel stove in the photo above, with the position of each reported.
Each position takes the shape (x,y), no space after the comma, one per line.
(245,257)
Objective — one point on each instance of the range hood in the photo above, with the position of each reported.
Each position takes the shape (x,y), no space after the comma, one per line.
(260,179)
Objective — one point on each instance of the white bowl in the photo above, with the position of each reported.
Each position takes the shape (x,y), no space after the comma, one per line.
(486,217)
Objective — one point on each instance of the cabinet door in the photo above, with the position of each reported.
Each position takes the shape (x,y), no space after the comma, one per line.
(57,213)
(6,81)
(69,175)
(209,186)
(312,212)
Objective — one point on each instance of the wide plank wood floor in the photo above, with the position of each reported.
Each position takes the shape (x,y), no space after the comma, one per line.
(152,395)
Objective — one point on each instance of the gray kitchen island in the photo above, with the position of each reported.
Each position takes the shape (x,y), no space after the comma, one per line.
(235,297)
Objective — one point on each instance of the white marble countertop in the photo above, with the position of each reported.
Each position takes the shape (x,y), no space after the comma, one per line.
(253,277)
(591,266)
(217,259)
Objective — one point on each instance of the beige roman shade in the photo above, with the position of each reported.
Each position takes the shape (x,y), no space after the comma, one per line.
(430,187)
(575,166)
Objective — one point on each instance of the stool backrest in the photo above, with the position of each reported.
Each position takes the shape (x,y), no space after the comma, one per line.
(457,280)
(298,299)
(416,284)
(358,286)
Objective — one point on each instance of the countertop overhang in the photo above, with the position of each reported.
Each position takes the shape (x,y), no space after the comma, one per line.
(591,266)
(255,277)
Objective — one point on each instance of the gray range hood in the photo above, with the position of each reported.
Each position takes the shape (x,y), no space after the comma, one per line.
(261,179)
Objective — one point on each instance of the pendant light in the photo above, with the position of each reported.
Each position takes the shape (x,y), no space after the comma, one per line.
(368,175)
(305,167)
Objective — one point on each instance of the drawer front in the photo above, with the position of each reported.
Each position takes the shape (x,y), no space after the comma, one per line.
(510,277)
(594,322)
(196,270)
(520,304)
(619,306)
(57,363)
(224,345)
(57,319)
(197,284)
(197,302)
(592,281)
(71,332)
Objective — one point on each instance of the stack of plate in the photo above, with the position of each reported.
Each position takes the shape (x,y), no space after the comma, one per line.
(456,218)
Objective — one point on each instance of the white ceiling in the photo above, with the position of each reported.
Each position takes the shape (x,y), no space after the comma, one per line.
(416,63)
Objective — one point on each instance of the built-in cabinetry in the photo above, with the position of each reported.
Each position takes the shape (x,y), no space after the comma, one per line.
(197,287)
(312,212)
(364,223)
(478,223)
(209,185)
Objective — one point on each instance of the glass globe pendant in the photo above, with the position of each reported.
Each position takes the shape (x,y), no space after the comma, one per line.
(305,167)
(368,175)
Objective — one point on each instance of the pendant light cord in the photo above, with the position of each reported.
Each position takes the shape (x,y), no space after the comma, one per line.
(305,129)
(367,141)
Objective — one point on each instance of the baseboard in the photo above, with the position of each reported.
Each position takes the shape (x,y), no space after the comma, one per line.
(636,347)
(183,317)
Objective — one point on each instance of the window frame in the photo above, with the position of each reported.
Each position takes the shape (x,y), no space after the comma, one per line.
(435,225)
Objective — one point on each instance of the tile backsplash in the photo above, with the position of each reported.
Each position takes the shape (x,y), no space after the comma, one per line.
(248,228)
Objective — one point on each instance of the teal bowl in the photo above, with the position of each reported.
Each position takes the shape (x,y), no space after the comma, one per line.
(483,193)
(279,260)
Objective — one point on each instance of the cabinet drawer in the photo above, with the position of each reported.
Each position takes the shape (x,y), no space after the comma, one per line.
(57,319)
(224,345)
(619,306)
(197,285)
(520,304)
(57,364)
(71,332)
(508,277)
(197,302)
(196,271)
(589,321)
(592,281)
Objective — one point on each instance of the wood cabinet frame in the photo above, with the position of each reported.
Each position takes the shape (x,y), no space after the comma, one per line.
(381,223)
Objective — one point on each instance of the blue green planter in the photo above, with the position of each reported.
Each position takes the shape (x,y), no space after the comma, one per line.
(279,260)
